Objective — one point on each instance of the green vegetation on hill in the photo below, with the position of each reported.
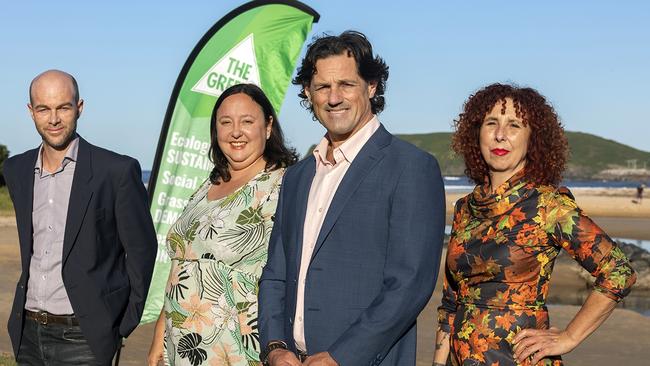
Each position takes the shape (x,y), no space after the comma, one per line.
(590,154)
(6,207)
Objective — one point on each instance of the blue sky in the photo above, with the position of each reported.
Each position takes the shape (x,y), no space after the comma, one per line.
(590,58)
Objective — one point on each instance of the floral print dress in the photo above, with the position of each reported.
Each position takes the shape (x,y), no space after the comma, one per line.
(218,249)
(499,261)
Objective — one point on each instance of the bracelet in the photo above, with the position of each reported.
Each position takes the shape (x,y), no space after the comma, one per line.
(273,345)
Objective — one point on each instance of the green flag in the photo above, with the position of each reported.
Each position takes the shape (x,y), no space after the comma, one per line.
(258,43)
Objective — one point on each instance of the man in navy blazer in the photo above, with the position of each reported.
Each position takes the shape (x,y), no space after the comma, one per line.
(87,241)
(358,231)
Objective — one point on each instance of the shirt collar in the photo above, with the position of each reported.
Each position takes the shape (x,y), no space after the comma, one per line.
(70,155)
(350,148)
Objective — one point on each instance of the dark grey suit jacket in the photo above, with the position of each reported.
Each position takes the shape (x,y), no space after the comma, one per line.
(109,244)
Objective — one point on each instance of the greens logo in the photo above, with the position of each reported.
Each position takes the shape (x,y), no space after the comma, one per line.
(239,65)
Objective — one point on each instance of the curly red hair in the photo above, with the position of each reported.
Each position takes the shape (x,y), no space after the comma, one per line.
(548,148)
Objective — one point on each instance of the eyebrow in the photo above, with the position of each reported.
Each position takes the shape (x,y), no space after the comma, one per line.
(509,120)
(228,116)
(320,83)
(39,106)
(347,81)
(340,81)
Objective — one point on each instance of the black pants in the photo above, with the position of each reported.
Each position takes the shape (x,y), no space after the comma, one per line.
(54,345)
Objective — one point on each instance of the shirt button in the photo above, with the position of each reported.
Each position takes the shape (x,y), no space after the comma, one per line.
(44,277)
(320,209)
(50,201)
(49,227)
(300,318)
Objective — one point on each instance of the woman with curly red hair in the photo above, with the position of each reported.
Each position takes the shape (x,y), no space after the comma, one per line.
(507,233)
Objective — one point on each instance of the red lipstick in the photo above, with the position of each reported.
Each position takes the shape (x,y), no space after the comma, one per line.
(499,152)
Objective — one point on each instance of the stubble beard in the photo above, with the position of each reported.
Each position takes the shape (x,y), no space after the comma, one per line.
(60,143)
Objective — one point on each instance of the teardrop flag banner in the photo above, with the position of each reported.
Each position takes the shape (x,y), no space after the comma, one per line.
(259,43)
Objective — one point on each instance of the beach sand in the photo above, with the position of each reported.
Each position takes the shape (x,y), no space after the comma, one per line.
(597,202)
(612,209)
(622,340)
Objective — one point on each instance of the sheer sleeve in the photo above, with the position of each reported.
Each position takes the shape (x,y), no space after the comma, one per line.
(590,246)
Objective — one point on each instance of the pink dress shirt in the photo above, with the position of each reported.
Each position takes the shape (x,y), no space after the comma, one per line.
(326,181)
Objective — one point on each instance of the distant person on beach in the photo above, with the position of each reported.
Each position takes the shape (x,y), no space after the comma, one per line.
(639,192)
(507,233)
(87,241)
(358,232)
(219,244)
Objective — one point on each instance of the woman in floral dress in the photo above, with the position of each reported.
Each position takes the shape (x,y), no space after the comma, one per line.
(218,245)
(507,234)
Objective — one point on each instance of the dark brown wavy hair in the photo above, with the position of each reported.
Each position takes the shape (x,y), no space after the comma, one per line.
(370,67)
(276,153)
(548,148)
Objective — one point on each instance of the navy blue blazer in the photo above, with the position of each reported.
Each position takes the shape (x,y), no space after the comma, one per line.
(109,244)
(375,262)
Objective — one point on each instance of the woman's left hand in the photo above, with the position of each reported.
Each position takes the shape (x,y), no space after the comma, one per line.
(539,343)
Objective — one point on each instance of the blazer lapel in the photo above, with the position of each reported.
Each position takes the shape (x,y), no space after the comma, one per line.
(80,195)
(24,206)
(302,197)
(369,155)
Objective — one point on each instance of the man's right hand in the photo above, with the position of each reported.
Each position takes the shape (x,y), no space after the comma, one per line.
(283,357)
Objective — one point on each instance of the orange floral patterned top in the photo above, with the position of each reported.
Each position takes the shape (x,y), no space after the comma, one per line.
(499,261)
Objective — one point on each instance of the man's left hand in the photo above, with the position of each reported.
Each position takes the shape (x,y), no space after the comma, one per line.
(320,359)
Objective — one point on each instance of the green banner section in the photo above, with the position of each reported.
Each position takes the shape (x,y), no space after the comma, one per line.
(258,43)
